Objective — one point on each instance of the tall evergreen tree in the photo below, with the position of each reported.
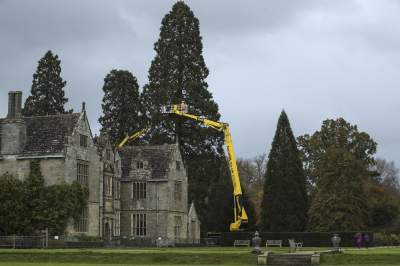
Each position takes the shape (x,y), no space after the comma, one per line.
(178,73)
(121,105)
(47,91)
(284,205)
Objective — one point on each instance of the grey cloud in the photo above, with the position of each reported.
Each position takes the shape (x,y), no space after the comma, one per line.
(317,59)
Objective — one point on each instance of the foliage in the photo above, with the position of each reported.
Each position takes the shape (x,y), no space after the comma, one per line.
(47,91)
(63,202)
(178,73)
(35,199)
(383,194)
(383,205)
(386,239)
(252,172)
(29,206)
(11,205)
(334,133)
(387,174)
(340,201)
(284,205)
(121,105)
(346,147)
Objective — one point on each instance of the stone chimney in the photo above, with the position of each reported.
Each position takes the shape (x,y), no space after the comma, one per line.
(14,104)
(13,128)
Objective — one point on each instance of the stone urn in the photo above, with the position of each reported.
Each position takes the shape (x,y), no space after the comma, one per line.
(256,241)
(335,239)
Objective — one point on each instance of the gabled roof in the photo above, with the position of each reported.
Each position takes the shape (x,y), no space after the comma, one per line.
(193,213)
(158,158)
(47,135)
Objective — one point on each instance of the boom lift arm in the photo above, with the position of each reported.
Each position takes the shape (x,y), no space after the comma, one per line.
(133,137)
(240,215)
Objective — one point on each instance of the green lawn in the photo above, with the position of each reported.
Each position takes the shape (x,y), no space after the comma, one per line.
(180,256)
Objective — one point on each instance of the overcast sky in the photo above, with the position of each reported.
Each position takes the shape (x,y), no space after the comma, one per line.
(315,59)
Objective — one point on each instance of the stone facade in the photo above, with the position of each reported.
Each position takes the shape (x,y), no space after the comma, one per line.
(61,143)
(110,188)
(154,193)
(135,192)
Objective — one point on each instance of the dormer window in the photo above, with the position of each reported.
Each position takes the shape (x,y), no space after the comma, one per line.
(178,165)
(108,154)
(83,141)
(139,165)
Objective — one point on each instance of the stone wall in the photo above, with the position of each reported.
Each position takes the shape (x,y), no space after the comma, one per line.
(52,168)
(74,153)
(160,205)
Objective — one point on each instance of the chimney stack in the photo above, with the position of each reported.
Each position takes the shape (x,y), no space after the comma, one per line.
(13,129)
(14,104)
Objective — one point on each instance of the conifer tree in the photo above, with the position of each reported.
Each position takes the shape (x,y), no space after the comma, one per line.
(47,91)
(121,105)
(178,73)
(284,205)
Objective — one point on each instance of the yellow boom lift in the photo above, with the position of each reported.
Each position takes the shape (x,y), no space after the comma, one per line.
(240,215)
(132,137)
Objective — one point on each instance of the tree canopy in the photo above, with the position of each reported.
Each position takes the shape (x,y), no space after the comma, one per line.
(178,73)
(47,91)
(284,205)
(121,105)
(336,133)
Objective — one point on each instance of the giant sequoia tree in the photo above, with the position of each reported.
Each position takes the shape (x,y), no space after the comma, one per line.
(121,105)
(47,91)
(178,73)
(284,206)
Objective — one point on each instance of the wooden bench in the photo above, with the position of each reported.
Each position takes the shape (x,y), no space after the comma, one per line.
(245,243)
(294,246)
(273,243)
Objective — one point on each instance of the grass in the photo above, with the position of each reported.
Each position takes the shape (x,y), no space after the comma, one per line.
(180,256)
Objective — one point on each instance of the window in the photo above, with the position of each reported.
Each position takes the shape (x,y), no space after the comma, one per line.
(177,226)
(138,190)
(117,224)
(178,190)
(117,189)
(139,165)
(138,224)
(81,225)
(83,140)
(116,167)
(82,175)
(178,165)
(108,154)
(108,185)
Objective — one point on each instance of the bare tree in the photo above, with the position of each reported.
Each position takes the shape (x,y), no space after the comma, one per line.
(388,174)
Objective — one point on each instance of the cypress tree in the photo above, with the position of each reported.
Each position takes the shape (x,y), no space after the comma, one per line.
(47,91)
(284,205)
(178,73)
(121,105)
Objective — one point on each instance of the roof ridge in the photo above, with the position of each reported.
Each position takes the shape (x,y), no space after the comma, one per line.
(56,115)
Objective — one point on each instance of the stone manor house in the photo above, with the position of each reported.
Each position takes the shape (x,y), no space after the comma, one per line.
(135,192)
